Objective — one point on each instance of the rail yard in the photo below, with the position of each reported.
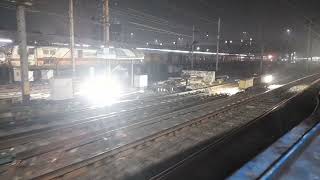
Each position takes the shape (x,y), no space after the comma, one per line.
(149,133)
(159,90)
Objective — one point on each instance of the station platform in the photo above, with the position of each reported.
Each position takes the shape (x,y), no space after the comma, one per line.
(296,155)
(306,164)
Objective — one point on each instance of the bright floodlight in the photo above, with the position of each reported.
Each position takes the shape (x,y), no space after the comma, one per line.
(267,79)
(288,30)
(101,91)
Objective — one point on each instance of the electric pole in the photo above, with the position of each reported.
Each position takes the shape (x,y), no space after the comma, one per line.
(218,45)
(22,40)
(106,22)
(71,29)
(192,46)
(262,49)
(106,32)
(309,45)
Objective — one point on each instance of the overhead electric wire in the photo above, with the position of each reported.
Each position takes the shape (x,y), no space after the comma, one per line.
(140,16)
(133,15)
(164,20)
(155,21)
(305,17)
(162,30)
(153,29)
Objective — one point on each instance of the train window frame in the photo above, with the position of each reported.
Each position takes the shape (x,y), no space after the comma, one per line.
(52,52)
(31,51)
(46,51)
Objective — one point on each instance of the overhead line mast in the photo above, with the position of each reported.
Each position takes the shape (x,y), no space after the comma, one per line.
(71,27)
(22,41)
(106,32)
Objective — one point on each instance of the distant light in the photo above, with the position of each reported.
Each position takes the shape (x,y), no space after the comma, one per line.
(3,40)
(147,44)
(58,44)
(179,39)
(242,40)
(270,56)
(230,41)
(226,42)
(156,40)
(102,46)
(207,35)
(198,48)
(85,45)
(189,52)
(288,31)
(161,44)
(131,34)
(174,43)
(208,50)
(251,39)
(186,52)
(267,79)
(244,32)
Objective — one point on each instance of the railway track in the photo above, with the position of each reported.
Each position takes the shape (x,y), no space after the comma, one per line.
(88,113)
(69,161)
(72,108)
(221,156)
(140,113)
(28,141)
(44,123)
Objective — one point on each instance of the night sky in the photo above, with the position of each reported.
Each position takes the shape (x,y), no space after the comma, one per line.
(167,20)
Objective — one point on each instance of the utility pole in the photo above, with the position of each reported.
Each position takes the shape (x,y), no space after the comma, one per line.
(106,32)
(106,22)
(261,61)
(71,29)
(262,49)
(192,46)
(218,45)
(309,45)
(22,40)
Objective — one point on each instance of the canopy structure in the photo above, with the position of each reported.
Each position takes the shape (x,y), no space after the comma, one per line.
(124,54)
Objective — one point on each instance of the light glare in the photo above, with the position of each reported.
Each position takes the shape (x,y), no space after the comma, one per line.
(267,79)
(101,91)
(3,40)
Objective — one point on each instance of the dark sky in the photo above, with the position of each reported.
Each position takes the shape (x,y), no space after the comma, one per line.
(145,17)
